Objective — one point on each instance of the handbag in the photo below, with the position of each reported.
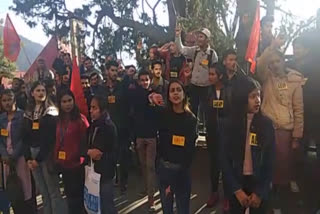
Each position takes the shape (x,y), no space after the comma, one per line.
(14,188)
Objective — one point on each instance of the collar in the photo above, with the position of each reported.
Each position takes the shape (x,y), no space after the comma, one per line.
(161,82)
(206,51)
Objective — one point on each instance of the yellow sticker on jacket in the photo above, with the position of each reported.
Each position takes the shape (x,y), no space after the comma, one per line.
(253,139)
(205,62)
(4,132)
(35,126)
(62,155)
(111,99)
(178,140)
(173,74)
(218,103)
(282,86)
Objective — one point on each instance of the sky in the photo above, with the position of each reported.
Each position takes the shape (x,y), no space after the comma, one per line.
(302,10)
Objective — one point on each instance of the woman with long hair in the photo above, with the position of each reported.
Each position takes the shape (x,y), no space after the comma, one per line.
(177,136)
(39,140)
(11,150)
(247,149)
(68,153)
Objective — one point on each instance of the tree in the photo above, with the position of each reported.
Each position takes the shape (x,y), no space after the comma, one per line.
(6,67)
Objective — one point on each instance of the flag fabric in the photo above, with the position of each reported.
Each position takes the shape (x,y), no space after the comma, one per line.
(49,53)
(77,90)
(254,40)
(11,41)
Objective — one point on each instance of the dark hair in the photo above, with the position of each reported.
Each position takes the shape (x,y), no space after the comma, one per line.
(31,101)
(75,112)
(16,78)
(67,54)
(49,83)
(266,19)
(130,66)
(218,69)
(102,103)
(185,100)
(228,52)
(143,73)
(93,74)
(112,63)
(84,77)
(157,62)
(87,58)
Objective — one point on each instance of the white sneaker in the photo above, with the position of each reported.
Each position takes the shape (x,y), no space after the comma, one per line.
(294,187)
(276,211)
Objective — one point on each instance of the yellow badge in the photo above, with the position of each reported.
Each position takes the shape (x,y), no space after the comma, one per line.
(178,140)
(253,139)
(205,62)
(111,99)
(62,155)
(35,126)
(218,103)
(174,74)
(282,86)
(4,132)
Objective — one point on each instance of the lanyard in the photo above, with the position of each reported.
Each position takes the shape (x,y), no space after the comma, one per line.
(63,133)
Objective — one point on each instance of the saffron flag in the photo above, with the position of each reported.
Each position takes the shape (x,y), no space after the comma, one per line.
(11,41)
(49,53)
(77,90)
(254,40)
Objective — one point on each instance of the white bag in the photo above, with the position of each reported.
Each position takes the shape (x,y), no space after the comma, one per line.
(92,190)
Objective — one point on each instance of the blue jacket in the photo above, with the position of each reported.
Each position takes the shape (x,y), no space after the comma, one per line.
(16,135)
(233,152)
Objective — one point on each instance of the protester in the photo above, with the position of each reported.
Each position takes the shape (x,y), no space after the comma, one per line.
(115,93)
(283,104)
(176,63)
(202,56)
(215,115)
(152,56)
(19,89)
(39,139)
(145,130)
(95,85)
(102,151)
(158,83)
(11,151)
(89,67)
(247,151)
(42,72)
(177,136)
(266,33)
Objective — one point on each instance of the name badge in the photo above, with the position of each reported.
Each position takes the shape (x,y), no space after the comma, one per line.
(282,86)
(174,74)
(218,103)
(205,62)
(4,132)
(111,99)
(178,140)
(253,139)
(62,155)
(35,126)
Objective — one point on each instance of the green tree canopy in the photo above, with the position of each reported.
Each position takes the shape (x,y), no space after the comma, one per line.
(6,67)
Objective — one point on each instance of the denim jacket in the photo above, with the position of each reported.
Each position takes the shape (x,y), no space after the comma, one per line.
(16,135)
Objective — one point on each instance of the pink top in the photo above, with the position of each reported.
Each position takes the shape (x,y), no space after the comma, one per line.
(247,164)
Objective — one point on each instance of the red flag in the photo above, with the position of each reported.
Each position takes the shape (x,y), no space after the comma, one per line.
(77,90)
(11,41)
(254,40)
(49,54)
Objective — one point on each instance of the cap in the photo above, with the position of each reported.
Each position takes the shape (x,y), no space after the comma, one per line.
(205,31)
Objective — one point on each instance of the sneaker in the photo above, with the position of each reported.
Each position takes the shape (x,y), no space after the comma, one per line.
(213,200)
(152,207)
(276,211)
(226,206)
(294,187)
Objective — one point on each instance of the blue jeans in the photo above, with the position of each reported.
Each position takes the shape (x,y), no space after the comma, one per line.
(48,185)
(179,181)
(106,197)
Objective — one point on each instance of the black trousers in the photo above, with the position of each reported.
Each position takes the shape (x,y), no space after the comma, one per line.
(215,169)
(198,96)
(248,184)
(73,180)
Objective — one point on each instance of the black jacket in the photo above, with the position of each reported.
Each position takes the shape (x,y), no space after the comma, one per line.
(103,136)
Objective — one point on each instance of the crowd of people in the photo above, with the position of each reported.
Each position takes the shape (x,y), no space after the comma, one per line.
(254,123)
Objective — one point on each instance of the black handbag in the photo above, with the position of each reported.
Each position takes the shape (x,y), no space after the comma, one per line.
(14,188)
